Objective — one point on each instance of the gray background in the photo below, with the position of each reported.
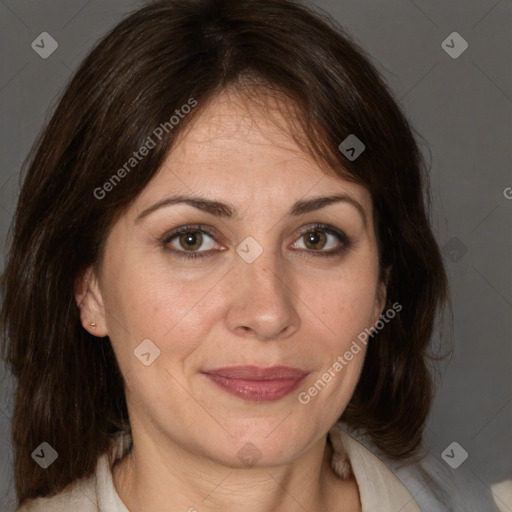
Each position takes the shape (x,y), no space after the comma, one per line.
(462,107)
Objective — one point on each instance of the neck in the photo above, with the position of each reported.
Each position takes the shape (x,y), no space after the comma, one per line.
(147,479)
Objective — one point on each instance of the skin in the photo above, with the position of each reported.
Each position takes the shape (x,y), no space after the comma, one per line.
(284,308)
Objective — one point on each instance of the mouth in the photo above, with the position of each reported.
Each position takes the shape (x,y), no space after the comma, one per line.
(257,384)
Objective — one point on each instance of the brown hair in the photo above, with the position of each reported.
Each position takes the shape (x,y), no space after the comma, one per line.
(69,388)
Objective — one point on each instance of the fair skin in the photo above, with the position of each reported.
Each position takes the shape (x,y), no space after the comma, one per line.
(283,308)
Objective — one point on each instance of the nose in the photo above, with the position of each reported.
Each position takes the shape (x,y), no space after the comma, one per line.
(263,301)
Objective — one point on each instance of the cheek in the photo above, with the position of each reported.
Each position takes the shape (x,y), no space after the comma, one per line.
(173,312)
(345,305)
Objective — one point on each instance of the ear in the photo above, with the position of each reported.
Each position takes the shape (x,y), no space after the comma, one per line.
(381,294)
(90,302)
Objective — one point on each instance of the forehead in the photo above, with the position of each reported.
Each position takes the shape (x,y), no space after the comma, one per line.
(250,131)
(242,147)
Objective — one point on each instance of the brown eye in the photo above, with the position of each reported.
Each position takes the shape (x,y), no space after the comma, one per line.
(322,240)
(191,240)
(315,240)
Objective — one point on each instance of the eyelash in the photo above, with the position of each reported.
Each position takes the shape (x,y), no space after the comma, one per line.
(168,237)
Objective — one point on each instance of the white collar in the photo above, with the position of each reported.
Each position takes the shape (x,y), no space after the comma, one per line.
(380,489)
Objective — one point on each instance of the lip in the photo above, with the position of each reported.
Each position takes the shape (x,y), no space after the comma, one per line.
(255,383)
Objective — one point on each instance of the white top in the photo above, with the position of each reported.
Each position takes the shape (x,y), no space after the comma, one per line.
(379,489)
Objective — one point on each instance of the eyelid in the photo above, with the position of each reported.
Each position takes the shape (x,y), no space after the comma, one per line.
(202,228)
(319,226)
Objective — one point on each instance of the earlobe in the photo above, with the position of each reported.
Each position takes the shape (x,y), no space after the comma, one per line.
(90,303)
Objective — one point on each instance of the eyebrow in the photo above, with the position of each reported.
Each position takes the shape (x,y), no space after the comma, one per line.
(227,210)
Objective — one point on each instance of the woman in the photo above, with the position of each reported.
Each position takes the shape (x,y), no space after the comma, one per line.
(222,281)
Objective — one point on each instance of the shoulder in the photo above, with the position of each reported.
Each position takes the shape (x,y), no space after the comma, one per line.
(435,486)
(450,489)
(78,497)
(92,494)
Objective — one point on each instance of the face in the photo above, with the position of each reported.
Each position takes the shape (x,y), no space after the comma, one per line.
(276,283)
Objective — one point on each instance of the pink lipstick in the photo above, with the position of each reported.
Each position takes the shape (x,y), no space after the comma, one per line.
(255,383)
